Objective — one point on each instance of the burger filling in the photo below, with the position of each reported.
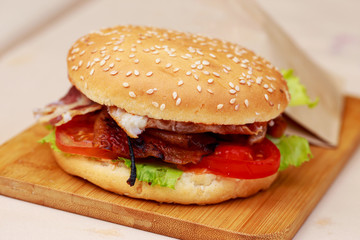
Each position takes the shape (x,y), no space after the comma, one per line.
(87,128)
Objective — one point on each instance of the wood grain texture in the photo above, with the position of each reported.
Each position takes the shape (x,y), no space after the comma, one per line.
(29,172)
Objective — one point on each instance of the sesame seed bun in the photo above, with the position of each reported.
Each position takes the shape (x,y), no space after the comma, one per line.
(176,76)
(191,188)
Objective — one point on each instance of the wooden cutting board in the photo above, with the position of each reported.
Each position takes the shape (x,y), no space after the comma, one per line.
(28,171)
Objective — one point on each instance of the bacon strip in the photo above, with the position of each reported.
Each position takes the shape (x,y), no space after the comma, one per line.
(72,104)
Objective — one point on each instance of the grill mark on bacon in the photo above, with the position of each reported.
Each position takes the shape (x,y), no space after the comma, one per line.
(181,149)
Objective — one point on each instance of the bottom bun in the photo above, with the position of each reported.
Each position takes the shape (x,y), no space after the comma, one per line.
(191,188)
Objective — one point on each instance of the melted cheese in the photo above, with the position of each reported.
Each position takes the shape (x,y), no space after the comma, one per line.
(133,125)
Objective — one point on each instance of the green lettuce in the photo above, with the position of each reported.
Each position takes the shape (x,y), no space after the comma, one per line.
(294,150)
(297,91)
(51,139)
(156,174)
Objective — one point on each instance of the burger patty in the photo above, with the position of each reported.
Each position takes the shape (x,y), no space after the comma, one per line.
(169,146)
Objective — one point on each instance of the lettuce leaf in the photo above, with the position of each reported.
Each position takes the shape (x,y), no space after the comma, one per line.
(294,150)
(156,174)
(51,139)
(297,91)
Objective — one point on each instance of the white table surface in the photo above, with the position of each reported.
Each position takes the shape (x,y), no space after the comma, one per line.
(33,73)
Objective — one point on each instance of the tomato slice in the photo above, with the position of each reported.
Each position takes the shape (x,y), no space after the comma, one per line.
(77,136)
(241,161)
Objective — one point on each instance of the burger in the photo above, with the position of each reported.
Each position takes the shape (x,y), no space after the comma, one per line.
(168,116)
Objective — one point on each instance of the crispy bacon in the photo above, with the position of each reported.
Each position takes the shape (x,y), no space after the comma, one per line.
(168,146)
(72,104)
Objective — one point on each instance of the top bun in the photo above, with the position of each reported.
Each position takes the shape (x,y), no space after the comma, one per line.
(178,76)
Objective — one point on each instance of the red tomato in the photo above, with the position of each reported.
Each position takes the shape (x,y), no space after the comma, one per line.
(77,137)
(241,161)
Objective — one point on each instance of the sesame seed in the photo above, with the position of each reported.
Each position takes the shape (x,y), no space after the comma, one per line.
(212,55)
(229,55)
(82,52)
(136,72)
(206,72)
(232,91)
(82,78)
(75,68)
(270,90)
(111,65)
(257,114)
(219,106)
(246,103)
(178,101)
(210,91)
(237,88)
(148,74)
(236,60)
(113,73)
(216,74)
(176,69)
(125,84)
(232,101)
(168,65)
(210,80)
(174,95)
(121,50)
(131,55)
(128,73)
(155,104)
(193,65)
(102,63)
(157,61)
(107,57)
(206,63)
(188,73)
(96,59)
(162,107)
(92,71)
(115,48)
(150,91)
(118,59)
(181,82)
(231,85)
(243,65)
(106,69)
(258,80)
(266,97)
(146,50)
(266,86)
(198,88)
(196,77)
(278,106)
(132,94)
(236,107)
